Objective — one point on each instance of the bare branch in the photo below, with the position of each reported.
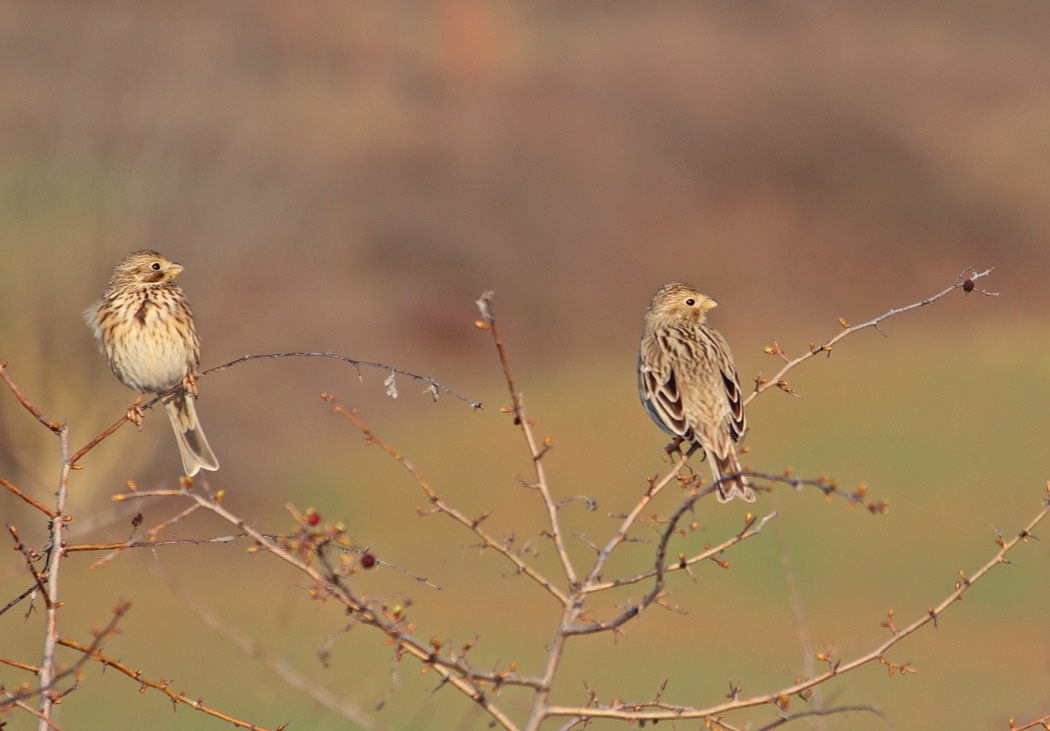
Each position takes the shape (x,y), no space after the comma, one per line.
(473,524)
(476,405)
(432,388)
(752,529)
(29,559)
(39,506)
(161,685)
(655,487)
(536,449)
(29,405)
(810,713)
(1043,723)
(46,689)
(280,666)
(967,275)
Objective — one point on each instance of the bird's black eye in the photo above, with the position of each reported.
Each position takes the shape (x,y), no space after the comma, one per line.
(690,301)
(155,266)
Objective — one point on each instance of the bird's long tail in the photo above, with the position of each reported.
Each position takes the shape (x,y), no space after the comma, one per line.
(734,486)
(192,443)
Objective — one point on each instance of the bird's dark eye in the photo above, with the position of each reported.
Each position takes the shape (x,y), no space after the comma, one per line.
(690,301)
(155,266)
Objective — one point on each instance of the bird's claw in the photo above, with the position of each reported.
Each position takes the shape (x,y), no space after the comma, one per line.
(135,413)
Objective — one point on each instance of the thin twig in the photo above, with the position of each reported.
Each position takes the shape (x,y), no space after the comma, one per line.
(798,615)
(45,689)
(434,387)
(967,275)
(161,685)
(821,712)
(151,535)
(14,602)
(278,665)
(29,405)
(27,708)
(488,322)
(621,534)
(109,430)
(152,543)
(37,577)
(39,506)
(473,524)
(751,530)
(476,405)
(1043,723)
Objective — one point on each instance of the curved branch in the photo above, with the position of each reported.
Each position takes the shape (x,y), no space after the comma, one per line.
(963,281)
(433,388)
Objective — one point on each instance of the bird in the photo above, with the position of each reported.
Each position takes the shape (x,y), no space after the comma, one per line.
(689,385)
(144,327)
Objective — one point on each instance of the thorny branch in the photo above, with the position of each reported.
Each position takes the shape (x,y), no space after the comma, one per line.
(49,688)
(278,665)
(809,713)
(433,388)
(451,667)
(536,449)
(964,281)
(473,524)
(163,685)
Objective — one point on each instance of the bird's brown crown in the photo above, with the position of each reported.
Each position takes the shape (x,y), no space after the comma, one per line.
(144,268)
(680,301)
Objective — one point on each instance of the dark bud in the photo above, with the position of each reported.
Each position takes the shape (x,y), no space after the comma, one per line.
(968,286)
(136,521)
(368,561)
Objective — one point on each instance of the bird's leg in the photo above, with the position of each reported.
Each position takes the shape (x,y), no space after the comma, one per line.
(135,413)
(674,448)
(693,448)
(189,382)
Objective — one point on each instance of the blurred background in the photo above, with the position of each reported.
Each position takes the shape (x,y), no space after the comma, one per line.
(350,177)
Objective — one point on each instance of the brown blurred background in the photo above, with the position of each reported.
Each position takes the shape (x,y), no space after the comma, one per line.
(350,177)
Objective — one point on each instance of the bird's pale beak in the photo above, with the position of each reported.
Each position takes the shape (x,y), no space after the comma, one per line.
(705,304)
(174,269)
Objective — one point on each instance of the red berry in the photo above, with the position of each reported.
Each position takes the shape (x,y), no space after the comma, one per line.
(313,518)
(968,285)
(368,560)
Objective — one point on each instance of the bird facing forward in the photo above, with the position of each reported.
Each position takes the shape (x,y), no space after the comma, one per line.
(144,327)
(689,384)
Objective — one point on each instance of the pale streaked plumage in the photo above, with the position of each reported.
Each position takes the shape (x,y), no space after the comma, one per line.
(145,329)
(688,382)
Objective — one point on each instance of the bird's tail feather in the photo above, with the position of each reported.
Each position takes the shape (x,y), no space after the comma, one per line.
(736,486)
(196,453)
